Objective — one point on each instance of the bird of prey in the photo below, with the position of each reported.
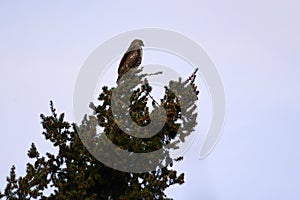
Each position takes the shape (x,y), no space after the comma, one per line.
(132,58)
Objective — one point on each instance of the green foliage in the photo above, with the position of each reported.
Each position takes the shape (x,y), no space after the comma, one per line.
(75,174)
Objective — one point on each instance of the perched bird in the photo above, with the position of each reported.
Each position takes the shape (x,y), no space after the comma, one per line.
(132,58)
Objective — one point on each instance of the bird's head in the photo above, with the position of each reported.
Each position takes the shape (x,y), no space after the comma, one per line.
(137,42)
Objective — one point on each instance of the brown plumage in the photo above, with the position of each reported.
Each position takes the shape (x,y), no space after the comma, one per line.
(132,58)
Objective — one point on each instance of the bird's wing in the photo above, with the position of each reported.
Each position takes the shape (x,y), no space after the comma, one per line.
(129,59)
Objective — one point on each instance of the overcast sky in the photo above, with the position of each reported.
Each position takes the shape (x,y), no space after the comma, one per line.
(254,45)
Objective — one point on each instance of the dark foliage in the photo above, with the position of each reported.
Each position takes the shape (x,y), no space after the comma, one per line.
(75,174)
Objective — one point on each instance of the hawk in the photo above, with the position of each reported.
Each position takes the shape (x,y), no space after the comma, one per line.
(132,58)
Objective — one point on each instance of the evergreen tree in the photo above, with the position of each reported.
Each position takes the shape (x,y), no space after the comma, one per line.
(74,173)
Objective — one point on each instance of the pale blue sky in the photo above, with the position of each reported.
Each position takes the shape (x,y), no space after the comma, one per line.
(255,46)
